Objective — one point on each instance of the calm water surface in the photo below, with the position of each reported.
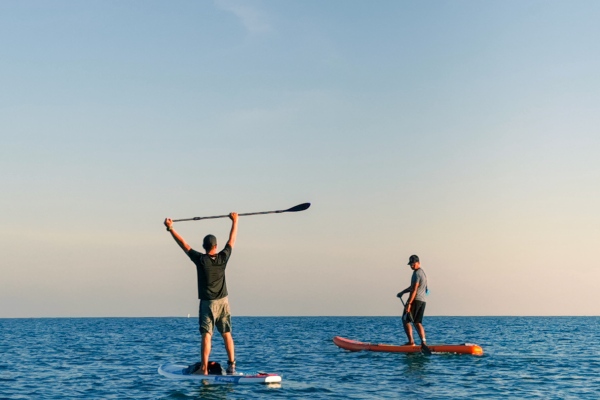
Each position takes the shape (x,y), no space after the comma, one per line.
(117,358)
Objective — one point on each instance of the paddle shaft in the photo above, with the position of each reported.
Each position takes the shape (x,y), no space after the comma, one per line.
(409,314)
(299,207)
(227,216)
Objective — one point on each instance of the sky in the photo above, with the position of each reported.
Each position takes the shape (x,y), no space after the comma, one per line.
(465,132)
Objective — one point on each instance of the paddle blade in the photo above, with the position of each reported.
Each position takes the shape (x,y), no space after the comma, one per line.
(299,207)
(425,350)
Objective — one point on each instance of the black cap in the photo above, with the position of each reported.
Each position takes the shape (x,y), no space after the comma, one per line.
(413,259)
(209,242)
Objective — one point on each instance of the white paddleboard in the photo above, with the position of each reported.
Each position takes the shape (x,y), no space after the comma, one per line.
(176,371)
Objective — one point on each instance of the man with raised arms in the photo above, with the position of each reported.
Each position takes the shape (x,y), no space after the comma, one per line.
(212,291)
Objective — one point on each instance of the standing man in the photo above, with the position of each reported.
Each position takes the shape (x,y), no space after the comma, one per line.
(212,291)
(415,305)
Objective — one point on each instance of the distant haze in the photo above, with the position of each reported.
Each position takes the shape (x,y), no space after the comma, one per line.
(466,132)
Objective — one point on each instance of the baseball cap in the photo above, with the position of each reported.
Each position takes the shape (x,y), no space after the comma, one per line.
(413,259)
(209,242)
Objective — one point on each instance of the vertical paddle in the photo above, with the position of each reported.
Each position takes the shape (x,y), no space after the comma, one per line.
(424,349)
(299,207)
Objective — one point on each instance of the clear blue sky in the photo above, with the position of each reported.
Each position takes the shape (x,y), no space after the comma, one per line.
(462,131)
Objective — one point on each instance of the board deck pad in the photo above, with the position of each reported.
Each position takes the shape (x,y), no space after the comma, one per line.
(353,345)
(176,371)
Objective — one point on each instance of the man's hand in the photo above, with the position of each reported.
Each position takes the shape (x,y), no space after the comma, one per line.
(233,234)
(169,223)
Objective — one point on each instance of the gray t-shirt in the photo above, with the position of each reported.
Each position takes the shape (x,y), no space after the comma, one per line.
(419,277)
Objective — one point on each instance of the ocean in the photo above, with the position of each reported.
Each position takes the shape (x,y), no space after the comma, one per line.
(117,358)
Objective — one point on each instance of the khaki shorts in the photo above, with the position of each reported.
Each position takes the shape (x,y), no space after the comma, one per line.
(215,313)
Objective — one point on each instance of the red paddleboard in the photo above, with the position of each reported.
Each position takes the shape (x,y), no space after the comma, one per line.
(353,345)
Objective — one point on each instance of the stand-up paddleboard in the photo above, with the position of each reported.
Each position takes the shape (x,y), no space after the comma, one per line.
(178,371)
(354,345)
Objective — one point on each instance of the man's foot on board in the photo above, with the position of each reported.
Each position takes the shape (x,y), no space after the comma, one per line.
(194,369)
(409,344)
(230,367)
(201,371)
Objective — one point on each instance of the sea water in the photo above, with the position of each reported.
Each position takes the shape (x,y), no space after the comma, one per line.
(117,358)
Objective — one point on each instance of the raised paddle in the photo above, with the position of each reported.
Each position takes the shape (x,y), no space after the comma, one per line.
(424,349)
(299,207)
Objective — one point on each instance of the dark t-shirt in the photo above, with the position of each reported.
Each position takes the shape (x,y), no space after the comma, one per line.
(211,273)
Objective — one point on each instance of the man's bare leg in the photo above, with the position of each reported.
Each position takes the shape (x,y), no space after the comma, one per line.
(229,346)
(409,332)
(421,332)
(206,344)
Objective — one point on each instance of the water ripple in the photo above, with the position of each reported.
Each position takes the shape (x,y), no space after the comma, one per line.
(115,358)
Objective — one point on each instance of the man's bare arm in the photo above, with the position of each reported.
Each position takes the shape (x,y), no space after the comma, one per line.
(178,238)
(407,290)
(411,297)
(234,227)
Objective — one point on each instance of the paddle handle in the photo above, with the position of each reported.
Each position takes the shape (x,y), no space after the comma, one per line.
(409,314)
